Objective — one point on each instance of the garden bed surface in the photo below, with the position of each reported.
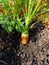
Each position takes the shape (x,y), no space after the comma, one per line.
(36,52)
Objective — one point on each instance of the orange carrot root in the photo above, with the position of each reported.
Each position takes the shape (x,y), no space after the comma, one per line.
(24,39)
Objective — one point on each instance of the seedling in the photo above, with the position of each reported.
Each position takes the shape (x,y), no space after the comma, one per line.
(18,14)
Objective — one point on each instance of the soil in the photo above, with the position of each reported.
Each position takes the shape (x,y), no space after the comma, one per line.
(36,52)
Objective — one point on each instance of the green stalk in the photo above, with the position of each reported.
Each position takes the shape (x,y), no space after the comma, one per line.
(34,12)
(29,18)
(30,6)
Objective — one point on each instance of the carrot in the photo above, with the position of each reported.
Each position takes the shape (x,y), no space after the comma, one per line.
(24,38)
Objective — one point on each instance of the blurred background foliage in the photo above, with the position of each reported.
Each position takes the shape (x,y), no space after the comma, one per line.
(44,7)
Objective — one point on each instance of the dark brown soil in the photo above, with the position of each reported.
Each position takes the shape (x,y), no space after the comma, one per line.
(36,52)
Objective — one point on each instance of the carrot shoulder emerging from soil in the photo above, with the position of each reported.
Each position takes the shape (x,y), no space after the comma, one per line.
(24,38)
